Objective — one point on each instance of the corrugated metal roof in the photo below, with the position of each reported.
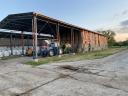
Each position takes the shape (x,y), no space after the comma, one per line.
(23,22)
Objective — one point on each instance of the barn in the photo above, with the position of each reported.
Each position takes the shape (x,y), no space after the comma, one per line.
(29,29)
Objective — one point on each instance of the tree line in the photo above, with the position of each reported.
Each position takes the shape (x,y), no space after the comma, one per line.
(111,40)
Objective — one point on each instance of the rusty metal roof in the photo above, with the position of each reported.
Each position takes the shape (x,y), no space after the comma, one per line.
(23,22)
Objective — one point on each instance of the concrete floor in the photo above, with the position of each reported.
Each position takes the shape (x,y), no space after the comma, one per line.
(101,77)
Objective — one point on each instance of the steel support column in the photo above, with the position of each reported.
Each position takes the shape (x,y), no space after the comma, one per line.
(58,32)
(35,41)
(72,38)
(11,43)
(22,42)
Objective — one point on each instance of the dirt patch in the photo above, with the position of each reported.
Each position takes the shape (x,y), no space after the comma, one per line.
(69,67)
(28,94)
(80,70)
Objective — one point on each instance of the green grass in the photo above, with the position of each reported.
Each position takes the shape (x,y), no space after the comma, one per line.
(79,56)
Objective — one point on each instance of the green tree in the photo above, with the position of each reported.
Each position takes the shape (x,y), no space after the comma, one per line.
(110,35)
(125,43)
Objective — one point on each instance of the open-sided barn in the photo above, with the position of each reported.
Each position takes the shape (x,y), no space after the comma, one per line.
(30,28)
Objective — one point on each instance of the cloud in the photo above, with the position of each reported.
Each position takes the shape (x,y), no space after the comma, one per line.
(125,12)
(121,36)
(121,14)
(120,27)
(123,27)
(122,31)
(124,23)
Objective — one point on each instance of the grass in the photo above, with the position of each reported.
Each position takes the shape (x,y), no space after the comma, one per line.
(9,57)
(79,56)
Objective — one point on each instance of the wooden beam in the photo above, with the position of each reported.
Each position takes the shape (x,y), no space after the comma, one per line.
(58,32)
(35,41)
(72,37)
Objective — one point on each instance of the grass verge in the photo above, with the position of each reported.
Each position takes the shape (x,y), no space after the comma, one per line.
(9,57)
(79,56)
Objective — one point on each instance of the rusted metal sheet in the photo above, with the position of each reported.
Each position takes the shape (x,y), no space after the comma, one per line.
(95,41)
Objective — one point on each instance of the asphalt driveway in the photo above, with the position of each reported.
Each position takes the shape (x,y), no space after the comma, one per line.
(101,77)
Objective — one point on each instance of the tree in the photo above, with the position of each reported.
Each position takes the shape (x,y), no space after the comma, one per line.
(125,43)
(110,36)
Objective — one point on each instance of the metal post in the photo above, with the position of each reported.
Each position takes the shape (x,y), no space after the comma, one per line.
(58,33)
(22,42)
(72,39)
(72,36)
(35,41)
(11,43)
(33,38)
(99,40)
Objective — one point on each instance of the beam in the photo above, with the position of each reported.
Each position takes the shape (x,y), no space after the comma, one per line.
(72,37)
(51,28)
(34,30)
(22,42)
(11,43)
(58,32)
(62,25)
(42,28)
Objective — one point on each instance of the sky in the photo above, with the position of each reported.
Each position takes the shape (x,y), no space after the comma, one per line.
(90,14)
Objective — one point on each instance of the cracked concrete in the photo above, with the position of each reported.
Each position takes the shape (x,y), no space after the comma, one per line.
(100,77)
